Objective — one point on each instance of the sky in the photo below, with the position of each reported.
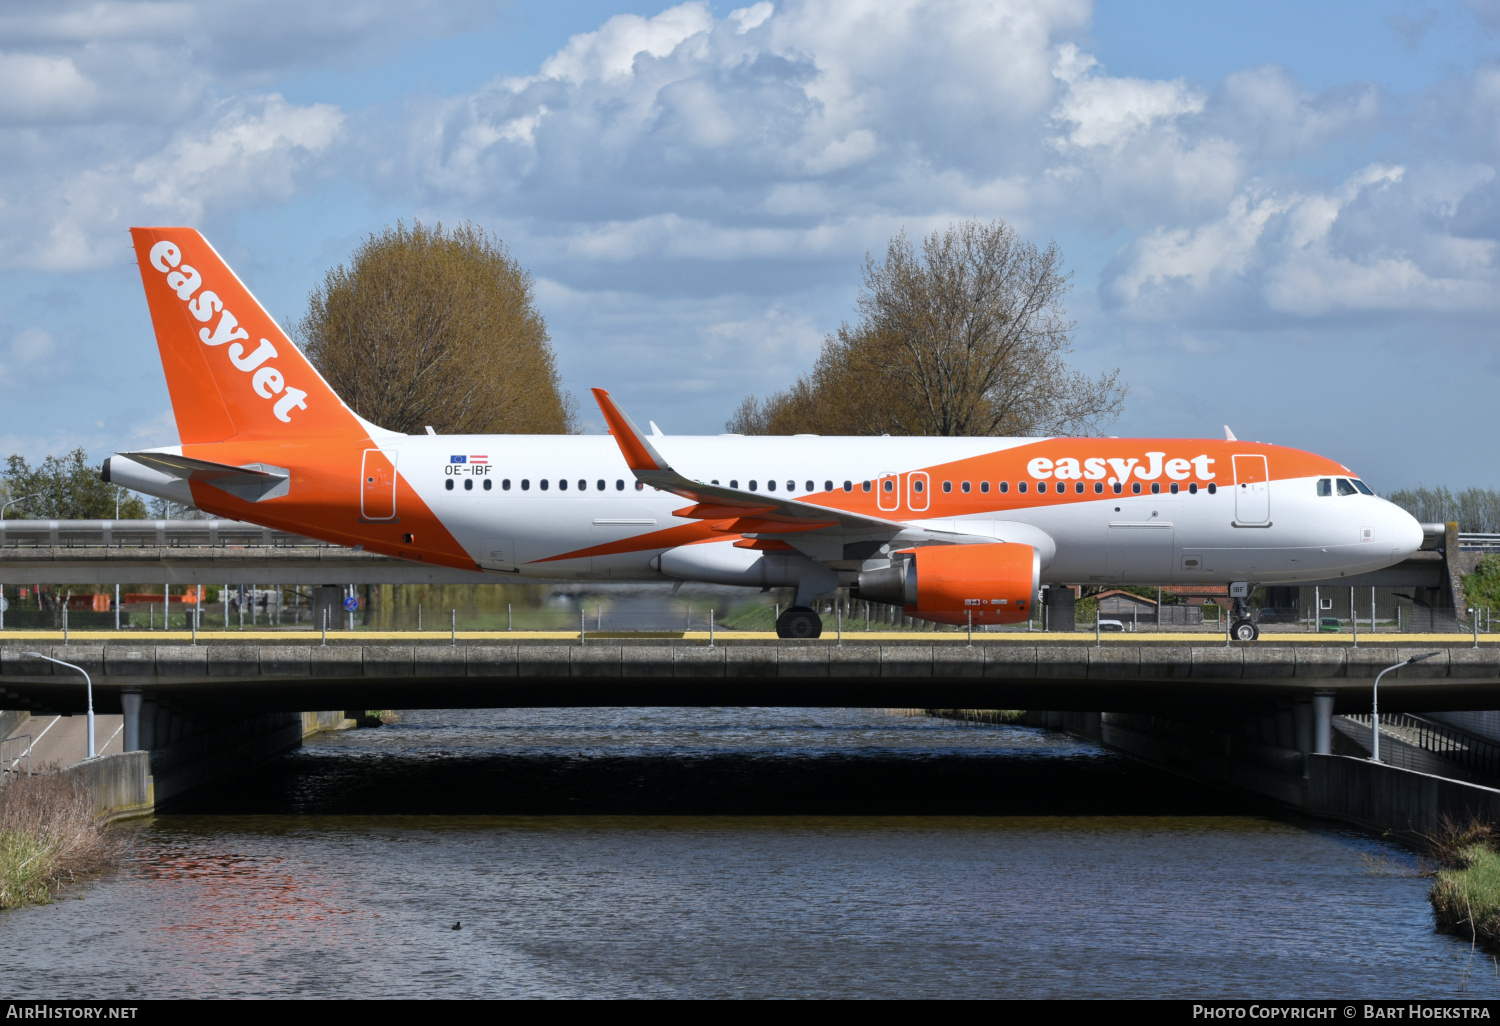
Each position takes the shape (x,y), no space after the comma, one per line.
(1279,216)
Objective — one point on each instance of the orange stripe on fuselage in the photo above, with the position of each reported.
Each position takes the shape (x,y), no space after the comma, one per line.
(1014,465)
(323,501)
(667,538)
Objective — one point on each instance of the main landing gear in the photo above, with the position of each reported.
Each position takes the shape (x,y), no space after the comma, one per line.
(799,622)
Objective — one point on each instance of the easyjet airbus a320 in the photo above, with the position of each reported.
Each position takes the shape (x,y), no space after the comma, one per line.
(953,529)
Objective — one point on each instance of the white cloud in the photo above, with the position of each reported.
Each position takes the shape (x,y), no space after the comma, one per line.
(1312,254)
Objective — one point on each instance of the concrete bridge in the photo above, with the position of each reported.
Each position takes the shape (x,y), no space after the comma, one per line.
(1120,675)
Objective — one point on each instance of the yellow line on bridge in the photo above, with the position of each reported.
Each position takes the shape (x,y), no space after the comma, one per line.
(947,637)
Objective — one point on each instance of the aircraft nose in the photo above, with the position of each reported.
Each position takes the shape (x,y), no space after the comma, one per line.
(1405,530)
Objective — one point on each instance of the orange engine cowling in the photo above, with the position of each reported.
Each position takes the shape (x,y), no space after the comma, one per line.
(995,583)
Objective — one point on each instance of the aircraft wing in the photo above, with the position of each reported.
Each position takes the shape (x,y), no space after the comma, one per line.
(756,513)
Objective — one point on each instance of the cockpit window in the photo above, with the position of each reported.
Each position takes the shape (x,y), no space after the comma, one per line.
(1325,486)
(1364,488)
(1345,488)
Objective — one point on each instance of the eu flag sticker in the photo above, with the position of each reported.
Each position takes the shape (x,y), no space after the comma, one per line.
(458,459)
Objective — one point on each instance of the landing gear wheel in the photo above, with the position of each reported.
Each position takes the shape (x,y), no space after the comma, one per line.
(799,622)
(1244,630)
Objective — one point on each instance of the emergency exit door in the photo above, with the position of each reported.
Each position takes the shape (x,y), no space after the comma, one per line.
(1252,490)
(377,493)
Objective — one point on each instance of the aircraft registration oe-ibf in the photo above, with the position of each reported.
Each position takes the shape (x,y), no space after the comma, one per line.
(956,530)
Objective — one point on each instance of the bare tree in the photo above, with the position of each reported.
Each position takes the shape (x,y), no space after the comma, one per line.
(437,327)
(967,338)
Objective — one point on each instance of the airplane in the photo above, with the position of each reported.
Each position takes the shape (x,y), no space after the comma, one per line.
(954,530)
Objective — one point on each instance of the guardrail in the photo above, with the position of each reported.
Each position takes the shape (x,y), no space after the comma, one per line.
(1465,750)
(13,751)
(146,534)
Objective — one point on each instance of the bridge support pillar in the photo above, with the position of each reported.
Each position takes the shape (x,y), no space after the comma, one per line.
(130,705)
(146,732)
(329,599)
(1302,725)
(1322,709)
(1060,609)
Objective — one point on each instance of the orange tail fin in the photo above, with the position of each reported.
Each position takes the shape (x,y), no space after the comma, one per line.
(231,371)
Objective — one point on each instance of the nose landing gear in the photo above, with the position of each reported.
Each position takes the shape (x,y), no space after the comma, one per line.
(1241,627)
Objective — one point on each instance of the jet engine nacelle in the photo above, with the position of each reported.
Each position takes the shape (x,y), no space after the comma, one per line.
(952,583)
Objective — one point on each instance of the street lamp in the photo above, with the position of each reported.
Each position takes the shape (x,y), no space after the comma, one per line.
(12,502)
(1375,701)
(89,684)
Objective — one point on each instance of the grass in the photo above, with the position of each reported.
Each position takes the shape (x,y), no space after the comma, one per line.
(49,837)
(1466,892)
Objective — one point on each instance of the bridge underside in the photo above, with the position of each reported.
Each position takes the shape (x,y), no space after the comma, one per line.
(1168,679)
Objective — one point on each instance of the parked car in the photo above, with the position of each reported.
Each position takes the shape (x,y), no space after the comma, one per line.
(1330,623)
(1111,625)
(1267,615)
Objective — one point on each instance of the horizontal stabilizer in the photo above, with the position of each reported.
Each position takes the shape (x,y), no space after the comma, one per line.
(252,483)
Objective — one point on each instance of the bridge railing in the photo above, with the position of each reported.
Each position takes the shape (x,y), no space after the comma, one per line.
(1455,746)
(145,533)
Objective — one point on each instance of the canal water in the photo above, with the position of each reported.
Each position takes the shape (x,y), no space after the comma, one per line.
(755,853)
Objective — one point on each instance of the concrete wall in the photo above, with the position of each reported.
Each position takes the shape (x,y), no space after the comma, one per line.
(121,784)
(1385,797)
(317,722)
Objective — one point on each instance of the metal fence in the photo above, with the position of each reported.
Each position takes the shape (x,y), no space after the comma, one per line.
(15,755)
(1465,750)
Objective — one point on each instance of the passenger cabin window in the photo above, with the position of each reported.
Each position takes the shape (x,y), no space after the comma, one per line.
(1004,487)
(1345,488)
(1135,488)
(468,484)
(542,484)
(984,487)
(865,485)
(1021,487)
(1212,488)
(1118,487)
(770,486)
(1098,487)
(828,486)
(1041,486)
(505,485)
(734,483)
(919,486)
(947,486)
(583,485)
(888,486)
(601,484)
(448,484)
(791,486)
(1193,488)
(640,486)
(1325,486)
(525,484)
(1155,488)
(1078,488)
(848,486)
(964,487)
(810,487)
(619,484)
(488,484)
(562,484)
(1364,488)
(1174,488)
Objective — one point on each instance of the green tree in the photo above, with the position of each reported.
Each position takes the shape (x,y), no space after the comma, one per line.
(967,337)
(1475,509)
(66,488)
(432,326)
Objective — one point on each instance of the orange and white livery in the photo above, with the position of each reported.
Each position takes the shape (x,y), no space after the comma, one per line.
(953,529)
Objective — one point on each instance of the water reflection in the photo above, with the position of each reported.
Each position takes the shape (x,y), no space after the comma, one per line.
(320,878)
